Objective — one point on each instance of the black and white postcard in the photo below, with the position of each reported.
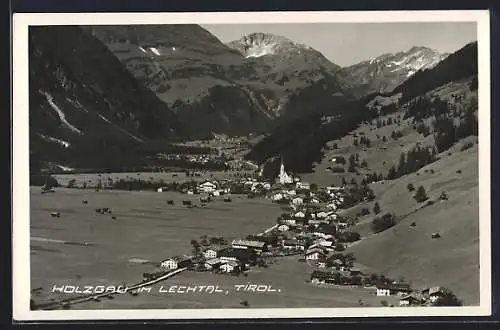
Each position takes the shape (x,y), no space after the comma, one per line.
(251,165)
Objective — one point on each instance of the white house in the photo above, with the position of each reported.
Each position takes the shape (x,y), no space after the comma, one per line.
(321,215)
(210,253)
(169,264)
(229,267)
(292,245)
(277,197)
(326,243)
(300,214)
(289,221)
(283,227)
(266,186)
(315,201)
(393,289)
(332,217)
(297,200)
(207,187)
(322,235)
(212,263)
(291,192)
(408,300)
(302,185)
(314,255)
(435,293)
(248,244)
(190,192)
(332,206)
(383,291)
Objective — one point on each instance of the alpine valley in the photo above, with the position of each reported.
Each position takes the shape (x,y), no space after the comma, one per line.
(111,90)
(167,152)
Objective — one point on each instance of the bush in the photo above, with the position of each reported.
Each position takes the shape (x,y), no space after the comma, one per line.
(349,236)
(385,222)
(376,208)
(337,169)
(410,187)
(364,211)
(71,183)
(339,247)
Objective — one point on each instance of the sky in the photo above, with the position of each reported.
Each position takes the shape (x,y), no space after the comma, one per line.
(348,43)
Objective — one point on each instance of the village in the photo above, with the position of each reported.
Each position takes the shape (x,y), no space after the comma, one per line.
(309,228)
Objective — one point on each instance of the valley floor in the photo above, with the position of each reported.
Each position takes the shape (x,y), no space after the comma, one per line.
(148,229)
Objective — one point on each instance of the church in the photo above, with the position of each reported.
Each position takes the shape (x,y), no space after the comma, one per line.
(284,178)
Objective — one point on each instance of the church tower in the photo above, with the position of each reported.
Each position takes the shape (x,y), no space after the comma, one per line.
(284,177)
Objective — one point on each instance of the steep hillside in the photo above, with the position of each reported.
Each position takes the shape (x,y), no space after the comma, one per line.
(383,73)
(188,68)
(408,251)
(392,154)
(85,107)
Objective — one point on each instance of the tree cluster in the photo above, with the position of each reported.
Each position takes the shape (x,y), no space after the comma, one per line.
(412,161)
(384,222)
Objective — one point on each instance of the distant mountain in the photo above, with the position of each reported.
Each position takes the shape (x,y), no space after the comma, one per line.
(85,107)
(187,67)
(283,61)
(383,73)
(461,64)
(301,140)
(191,70)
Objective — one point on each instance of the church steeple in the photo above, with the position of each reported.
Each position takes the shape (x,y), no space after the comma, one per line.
(284,177)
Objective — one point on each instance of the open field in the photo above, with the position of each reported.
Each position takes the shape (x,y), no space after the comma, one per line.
(145,228)
(288,277)
(92,179)
(83,247)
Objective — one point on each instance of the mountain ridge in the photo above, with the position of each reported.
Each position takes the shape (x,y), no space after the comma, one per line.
(385,72)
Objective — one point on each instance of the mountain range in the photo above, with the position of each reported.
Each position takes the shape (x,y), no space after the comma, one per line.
(109,87)
(385,72)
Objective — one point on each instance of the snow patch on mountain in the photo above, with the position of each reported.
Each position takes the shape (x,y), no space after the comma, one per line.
(262,44)
(260,50)
(121,129)
(61,114)
(76,104)
(63,143)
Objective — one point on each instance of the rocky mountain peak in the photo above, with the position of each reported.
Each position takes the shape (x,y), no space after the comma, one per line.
(260,44)
(385,72)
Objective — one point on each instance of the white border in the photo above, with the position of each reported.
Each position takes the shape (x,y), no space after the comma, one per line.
(20,175)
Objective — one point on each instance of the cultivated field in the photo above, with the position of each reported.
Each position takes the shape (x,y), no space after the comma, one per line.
(146,228)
